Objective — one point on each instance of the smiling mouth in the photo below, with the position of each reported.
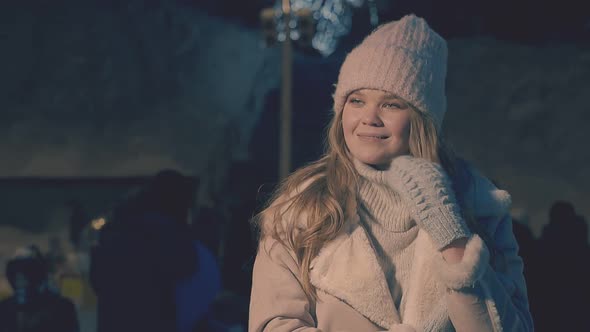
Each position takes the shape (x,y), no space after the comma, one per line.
(373,137)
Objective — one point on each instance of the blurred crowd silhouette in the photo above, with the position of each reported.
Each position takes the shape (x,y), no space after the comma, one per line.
(557,270)
(146,262)
(160,264)
(35,305)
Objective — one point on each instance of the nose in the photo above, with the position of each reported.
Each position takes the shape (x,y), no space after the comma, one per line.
(371,117)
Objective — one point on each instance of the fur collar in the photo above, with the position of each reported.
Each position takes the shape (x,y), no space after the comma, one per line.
(348,268)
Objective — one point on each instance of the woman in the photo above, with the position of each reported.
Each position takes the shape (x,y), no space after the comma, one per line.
(387,231)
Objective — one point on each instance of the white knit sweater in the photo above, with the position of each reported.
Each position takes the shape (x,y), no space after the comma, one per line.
(392,232)
(353,290)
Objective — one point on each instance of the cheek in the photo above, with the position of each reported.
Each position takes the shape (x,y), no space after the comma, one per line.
(347,137)
(400,127)
(347,125)
(406,131)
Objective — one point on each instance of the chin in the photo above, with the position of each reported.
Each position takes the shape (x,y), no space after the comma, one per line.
(380,162)
(376,162)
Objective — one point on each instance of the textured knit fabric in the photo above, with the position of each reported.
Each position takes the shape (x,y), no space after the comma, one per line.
(427,188)
(354,295)
(427,191)
(403,57)
(392,231)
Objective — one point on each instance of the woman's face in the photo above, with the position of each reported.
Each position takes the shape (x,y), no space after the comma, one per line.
(376,126)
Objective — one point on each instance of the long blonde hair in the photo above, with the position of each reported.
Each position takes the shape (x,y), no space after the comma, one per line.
(326,193)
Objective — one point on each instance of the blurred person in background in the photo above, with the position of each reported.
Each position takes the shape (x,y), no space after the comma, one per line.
(34,307)
(146,267)
(565,257)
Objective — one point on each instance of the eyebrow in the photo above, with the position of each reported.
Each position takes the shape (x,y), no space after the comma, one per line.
(387,96)
(391,96)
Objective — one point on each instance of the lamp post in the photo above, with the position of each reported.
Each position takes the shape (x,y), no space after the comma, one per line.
(316,24)
(286,79)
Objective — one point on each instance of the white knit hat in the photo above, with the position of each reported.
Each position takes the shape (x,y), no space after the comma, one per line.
(404,57)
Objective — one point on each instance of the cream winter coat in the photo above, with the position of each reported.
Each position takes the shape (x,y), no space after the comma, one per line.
(353,295)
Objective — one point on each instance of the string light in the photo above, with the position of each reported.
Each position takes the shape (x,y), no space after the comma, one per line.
(319,23)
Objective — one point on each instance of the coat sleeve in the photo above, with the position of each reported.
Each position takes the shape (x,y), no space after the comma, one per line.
(278,302)
(500,285)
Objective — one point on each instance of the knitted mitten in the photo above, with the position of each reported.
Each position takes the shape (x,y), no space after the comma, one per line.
(427,188)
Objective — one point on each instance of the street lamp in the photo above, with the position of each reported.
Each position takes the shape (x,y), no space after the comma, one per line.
(317,24)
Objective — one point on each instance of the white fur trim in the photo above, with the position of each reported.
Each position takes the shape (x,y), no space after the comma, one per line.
(423,302)
(484,198)
(493,311)
(347,268)
(469,270)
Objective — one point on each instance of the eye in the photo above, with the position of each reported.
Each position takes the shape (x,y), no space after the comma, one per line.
(356,101)
(393,106)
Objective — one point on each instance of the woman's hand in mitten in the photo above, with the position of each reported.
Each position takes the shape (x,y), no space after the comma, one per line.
(428,189)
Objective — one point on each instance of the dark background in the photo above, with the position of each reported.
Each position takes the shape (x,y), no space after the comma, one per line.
(117,89)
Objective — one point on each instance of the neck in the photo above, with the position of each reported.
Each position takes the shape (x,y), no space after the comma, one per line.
(383,203)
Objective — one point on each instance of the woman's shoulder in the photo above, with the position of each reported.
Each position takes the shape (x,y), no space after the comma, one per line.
(284,210)
(479,193)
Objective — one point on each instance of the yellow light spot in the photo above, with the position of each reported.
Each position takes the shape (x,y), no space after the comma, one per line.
(98,223)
